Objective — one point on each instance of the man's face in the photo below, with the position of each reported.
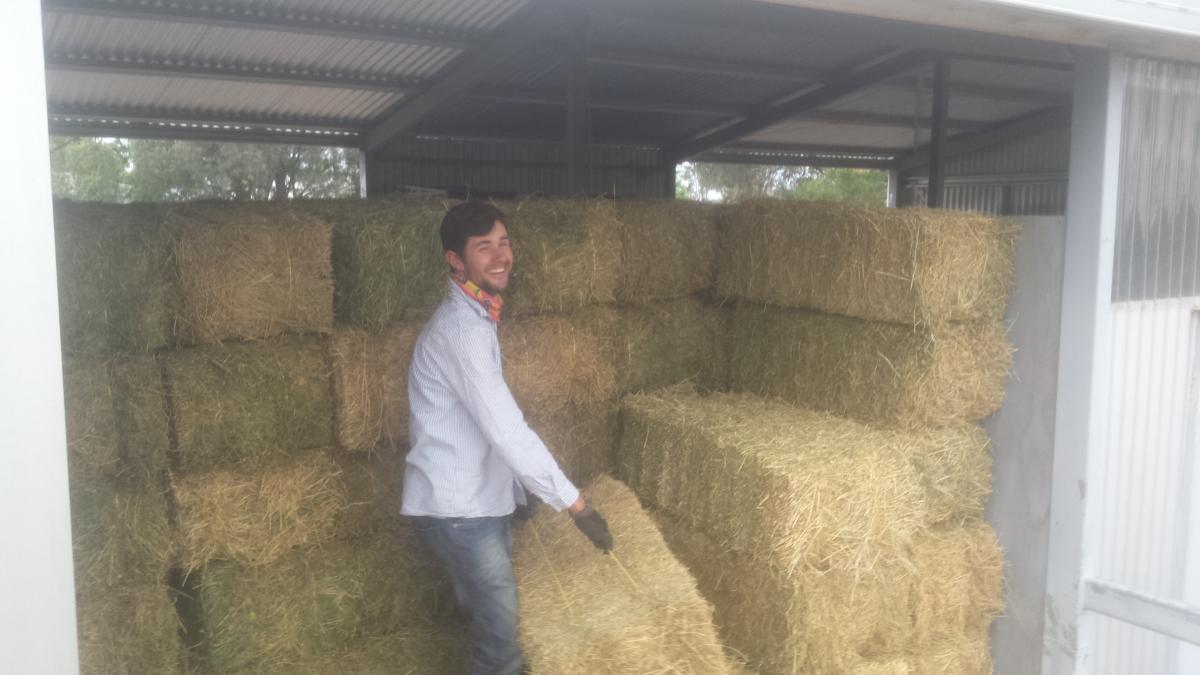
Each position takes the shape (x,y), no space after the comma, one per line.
(486,261)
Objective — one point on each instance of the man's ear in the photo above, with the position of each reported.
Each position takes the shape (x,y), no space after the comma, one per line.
(455,263)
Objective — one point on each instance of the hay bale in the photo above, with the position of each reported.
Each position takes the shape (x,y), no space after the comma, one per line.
(313,602)
(398,346)
(414,650)
(117,427)
(566,254)
(374,489)
(970,656)
(666,343)
(128,630)
(250,271)
(889,667)
(255,518)
(959,584)
(583,612)
(880,373)
(668,249)
(550,363)
(582,438)
(809,621)
(359,388)
(912,266)
(249,405)
(795,487)
(113,278)
(120,534)
(387,259)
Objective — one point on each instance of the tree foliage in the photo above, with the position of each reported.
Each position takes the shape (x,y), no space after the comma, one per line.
(857,186)
(120,170)
(733,182)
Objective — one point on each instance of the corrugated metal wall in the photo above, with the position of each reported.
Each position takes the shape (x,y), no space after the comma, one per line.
(520,167)
(1026,177)
(1148,515)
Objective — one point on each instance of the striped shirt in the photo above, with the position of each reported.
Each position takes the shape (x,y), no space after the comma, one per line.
(471,448)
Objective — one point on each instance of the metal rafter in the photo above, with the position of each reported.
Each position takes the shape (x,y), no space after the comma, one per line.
(811,98)
(119,114)
(259,18)
(1037,122)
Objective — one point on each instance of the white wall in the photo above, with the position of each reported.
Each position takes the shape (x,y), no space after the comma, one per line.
(37,592)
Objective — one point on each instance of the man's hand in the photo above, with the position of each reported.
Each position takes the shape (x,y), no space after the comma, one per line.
(594,527)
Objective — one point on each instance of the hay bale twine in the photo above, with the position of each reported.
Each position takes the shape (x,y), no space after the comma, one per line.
(912,266)
(795,487)
(884,374)
(387,259)
(668,249)
(566,254)
(250,271)
(114,271)
(359,388)
(249,405)
(128,630)
(256,518)
(314,602)
(583,612)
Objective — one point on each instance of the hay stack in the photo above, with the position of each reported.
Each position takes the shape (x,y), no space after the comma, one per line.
(666,343)
(250,271)
(793,487)
(113,278)
(249,405)
(387,259)
(881,373)
(398,347)
(581,612)
(668,249)
(374,489)
(810,621)
(550,364)
(256,518)
(121,535)
(582,438)
(911,266)
(566,254)
(959,585)
(128,630)
(313,603)
(419,649)
(117,427)
(360,383)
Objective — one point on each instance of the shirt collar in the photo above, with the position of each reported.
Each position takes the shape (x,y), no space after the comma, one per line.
(456,295)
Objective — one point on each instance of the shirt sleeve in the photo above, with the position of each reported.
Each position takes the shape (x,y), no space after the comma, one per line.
(473,372)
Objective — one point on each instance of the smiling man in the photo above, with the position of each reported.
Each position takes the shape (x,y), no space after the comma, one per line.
(473,456)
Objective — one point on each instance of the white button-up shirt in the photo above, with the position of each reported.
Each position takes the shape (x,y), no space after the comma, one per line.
(471,447)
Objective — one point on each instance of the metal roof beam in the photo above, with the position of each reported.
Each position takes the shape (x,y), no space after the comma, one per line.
(805,100)
(788,159)
(116,115)
(91,63)
(533,23)
(874,119)
(1027,125)
(260,18)
(175,133)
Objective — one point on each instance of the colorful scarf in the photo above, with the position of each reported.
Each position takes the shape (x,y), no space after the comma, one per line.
(492,303)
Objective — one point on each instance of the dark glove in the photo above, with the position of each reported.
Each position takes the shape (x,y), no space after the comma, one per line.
(594,527)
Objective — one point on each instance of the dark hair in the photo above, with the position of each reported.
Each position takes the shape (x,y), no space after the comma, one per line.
(468,219)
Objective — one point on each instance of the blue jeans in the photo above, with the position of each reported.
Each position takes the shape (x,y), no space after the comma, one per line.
(477,556)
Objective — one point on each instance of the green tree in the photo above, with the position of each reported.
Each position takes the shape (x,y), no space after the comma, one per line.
(857,186)
(710,181)
(88,169)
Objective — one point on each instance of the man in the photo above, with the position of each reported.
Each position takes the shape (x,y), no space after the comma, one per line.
(473,456)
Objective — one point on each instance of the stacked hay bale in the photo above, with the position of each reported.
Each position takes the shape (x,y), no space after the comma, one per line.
(112,276)
(889,318)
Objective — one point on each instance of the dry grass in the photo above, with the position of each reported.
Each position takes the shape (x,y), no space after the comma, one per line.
(250,405)
(582,438)
(418,649)
(566,253)
(374,488)
(793,487)
(959,588)
(360,385)
(313,603)
(121,535)
(398,346)
(881,373)
(387,259)
(668,249)
(113,278)
(256,518)
(549,364)
(128,630)
(250,271)
(912,266)
(635,612)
